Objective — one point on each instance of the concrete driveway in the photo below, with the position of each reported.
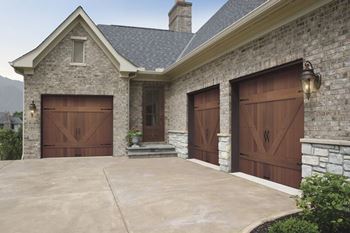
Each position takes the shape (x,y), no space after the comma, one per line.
(103,195)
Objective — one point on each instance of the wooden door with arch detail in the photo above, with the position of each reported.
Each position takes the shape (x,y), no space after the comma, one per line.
(271,124)
(76,126)
(204,126)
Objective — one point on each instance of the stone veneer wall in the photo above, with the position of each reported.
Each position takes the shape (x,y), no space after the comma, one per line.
(321,157)
(322,37)
(179,139)
(225,152)
(55,75)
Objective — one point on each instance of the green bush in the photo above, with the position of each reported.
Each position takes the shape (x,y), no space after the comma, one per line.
(326,202)
(293,225)
(10,144)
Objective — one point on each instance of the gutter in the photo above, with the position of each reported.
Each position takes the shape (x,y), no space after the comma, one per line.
(247,18)
(255,17)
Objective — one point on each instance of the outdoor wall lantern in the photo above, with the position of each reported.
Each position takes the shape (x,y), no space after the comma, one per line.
(310,81)
(32,108)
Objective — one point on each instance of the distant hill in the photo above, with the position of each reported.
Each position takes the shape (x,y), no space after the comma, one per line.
(11,95)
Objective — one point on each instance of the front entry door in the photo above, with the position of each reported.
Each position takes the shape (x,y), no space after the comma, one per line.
(153,114)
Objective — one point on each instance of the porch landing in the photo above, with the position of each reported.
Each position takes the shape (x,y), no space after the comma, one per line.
(150,150)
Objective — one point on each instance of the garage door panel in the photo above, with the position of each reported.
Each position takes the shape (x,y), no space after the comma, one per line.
(205,126)
(246,166)
(196,154)
(58,127)
(272,117)
(77,126)
(286,176)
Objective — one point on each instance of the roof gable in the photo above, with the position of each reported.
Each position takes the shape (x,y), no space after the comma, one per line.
(32,58)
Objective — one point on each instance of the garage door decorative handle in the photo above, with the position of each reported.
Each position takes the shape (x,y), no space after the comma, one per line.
(266,136)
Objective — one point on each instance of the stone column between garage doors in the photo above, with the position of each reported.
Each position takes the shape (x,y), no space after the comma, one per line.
(179,139)
(320,156)
(225,152)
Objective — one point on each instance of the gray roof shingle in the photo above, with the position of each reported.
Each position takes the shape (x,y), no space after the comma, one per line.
(146,47)
(229,13)
(156,48)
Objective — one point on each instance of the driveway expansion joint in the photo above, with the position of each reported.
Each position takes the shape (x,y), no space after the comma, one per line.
(116,201)
(6,165)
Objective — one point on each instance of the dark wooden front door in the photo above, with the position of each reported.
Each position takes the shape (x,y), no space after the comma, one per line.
(74,126)
(271,123)
(153,114)
(204,126)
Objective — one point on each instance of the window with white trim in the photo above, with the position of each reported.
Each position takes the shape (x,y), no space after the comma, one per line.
(78,51)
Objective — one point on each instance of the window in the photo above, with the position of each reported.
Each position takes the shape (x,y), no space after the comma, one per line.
(151,101)
(78,51)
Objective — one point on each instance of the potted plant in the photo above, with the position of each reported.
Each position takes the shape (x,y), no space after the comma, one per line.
(134,136)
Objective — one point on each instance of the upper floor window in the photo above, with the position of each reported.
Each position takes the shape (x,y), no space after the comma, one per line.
(78,56)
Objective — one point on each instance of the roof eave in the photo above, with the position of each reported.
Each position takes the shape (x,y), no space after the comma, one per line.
(265,18)
(150,75)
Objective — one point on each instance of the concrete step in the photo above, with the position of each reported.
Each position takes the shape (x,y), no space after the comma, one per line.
(152,154)
(152,150)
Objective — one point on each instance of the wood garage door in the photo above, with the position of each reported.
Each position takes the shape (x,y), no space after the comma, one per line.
(205,125)
(75,126)
(271,113)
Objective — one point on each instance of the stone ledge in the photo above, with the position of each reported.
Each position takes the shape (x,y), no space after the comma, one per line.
(223,135)
(325,141)
(177,131)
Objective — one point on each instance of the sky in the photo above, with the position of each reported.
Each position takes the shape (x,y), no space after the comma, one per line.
(24,24)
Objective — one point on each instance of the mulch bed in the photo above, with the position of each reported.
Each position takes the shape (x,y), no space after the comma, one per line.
(265,227)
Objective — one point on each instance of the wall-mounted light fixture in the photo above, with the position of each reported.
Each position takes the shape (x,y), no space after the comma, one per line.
(32,108)
(310,81)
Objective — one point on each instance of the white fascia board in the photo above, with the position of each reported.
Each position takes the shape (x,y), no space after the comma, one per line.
(250,17)
(27,60)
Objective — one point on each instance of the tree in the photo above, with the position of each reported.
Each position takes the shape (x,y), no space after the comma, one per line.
(19,115)
(10,144)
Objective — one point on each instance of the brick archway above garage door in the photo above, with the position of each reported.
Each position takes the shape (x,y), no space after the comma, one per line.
(271,123)
(75,126)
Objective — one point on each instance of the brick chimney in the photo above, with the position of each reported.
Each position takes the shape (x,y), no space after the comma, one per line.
(180,17)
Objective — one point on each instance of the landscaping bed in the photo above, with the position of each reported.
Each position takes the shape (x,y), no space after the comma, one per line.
(324,205)
(264,228)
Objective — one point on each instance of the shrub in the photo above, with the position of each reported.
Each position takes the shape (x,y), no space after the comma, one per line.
(293,225)
(133,133)
(10,144)
(326,202)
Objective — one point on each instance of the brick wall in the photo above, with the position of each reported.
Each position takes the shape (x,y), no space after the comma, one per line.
(322,36)
(55,75)
(136,105)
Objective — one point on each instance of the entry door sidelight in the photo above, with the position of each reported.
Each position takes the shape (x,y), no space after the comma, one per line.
(153,114)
